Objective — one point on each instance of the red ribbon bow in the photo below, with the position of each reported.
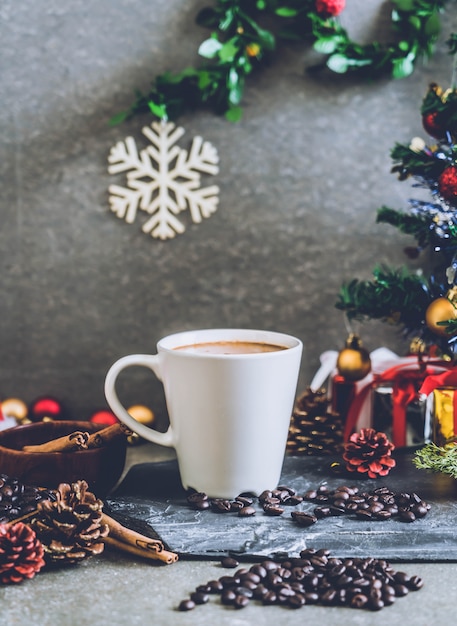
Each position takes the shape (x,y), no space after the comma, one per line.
(404,390)
(445,379)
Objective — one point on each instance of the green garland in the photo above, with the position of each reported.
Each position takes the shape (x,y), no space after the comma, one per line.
(239,43)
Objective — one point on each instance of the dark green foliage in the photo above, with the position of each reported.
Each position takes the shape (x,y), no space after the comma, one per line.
(395,295)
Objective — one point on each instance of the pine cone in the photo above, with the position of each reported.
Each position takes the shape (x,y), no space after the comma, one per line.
(369,452)
(21,553)
(313,402)
(314,429)
(70,528)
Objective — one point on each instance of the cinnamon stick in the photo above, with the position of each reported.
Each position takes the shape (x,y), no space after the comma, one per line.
(126,535)
(68,443)
(164,556)
(102,437)
(130,541)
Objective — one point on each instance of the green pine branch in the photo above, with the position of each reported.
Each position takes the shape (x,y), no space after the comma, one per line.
(439,459)
(416,225)
(408,162)
(394,295)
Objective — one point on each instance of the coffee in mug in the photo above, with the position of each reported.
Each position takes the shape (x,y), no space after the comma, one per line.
(230,347)
(230,395)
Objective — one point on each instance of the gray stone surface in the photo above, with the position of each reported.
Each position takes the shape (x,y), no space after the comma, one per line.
(116,590)
(301,177)
(152,494)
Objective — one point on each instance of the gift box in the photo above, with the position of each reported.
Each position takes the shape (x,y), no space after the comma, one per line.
(442,416)
(404,418)
(341,395)
(387,399)
(383,409)
(440,392)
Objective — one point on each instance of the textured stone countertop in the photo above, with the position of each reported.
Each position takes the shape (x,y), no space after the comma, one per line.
(117,589)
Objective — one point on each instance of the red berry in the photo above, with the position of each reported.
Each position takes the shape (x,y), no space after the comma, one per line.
(330,8)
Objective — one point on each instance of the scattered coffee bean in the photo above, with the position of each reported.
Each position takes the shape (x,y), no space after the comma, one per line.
(272,509)
(293,500)
(229,581)
(406,515)
(247,511)
(401,590)
(219,505)
(215,586)
(186,605)
(415,583)
(240,602)
(229,562)
(199,598)
(196,496)
(303,519)
(296,601)
(245,501)
(228,596)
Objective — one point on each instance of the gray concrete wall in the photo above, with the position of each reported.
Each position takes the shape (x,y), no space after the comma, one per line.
(301,177)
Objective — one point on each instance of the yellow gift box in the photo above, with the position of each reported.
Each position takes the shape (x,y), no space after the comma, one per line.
(444,415)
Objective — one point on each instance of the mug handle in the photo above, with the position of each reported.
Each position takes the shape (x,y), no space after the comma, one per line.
(146,360)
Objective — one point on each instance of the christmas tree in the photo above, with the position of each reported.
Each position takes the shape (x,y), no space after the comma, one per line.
(422,304)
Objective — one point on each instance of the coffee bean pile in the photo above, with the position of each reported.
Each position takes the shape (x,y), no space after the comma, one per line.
(379,504)
(313,578)
(18,499)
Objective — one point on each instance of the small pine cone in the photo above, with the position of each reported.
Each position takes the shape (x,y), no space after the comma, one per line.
(70,528)
(313,402)
(369,452)
(21,553)
(314,429)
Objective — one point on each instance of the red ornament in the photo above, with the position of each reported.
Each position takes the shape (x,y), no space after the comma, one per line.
(330,8)
(45,407)
(447,184)
(21,553)
(104,417)
(430,122)
(369,452)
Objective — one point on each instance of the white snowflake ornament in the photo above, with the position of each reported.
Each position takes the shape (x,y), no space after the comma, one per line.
(163,180)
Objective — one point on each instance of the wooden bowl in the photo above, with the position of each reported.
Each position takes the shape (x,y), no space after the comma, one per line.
(100,467)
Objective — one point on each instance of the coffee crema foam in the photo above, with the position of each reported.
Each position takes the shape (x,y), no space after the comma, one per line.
(230,347)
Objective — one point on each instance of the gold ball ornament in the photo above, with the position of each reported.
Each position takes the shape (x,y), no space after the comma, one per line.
(14,407)
(441,310)
(353,361)
(141,414)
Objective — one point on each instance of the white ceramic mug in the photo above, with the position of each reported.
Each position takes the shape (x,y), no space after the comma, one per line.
(229,413)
